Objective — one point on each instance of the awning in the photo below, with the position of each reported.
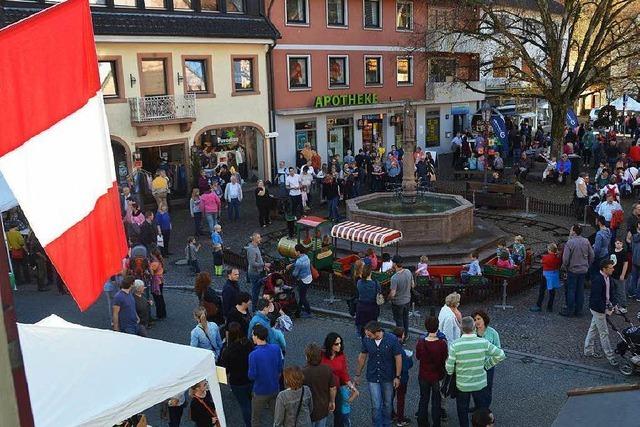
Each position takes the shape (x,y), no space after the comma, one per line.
(311,221)
(365,233)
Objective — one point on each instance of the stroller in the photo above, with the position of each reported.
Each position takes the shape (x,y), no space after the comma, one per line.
(275,284)
(629,347)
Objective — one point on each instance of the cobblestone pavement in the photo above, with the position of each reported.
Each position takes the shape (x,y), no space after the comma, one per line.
(523,385)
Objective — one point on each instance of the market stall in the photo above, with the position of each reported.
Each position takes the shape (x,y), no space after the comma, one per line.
(80,376)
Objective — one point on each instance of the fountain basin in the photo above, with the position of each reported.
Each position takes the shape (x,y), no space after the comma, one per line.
(434,218)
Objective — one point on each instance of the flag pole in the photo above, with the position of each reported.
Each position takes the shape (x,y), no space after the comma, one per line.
(18,390)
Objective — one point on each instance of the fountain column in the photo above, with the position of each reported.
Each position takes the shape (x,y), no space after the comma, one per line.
(409,193)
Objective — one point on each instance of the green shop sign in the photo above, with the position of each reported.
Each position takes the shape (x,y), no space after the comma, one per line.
(344,100)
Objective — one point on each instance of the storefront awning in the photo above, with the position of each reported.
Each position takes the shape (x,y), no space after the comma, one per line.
(365,233)
(311,221)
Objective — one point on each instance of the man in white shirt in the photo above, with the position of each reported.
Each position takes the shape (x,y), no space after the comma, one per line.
(282,173)
(582,196)
(233,196)
(292,184)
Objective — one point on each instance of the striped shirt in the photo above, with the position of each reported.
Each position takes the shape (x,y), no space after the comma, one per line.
(469,357)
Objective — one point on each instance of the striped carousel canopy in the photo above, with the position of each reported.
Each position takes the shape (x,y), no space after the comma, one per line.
(365,233)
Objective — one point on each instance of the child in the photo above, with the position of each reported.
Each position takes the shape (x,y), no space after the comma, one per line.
(373,258)
(551,263)
(502,248)
(386,262)
(519,251)
(504,261)
(216,239)
(471,269)
(422,267)
(192,254)
(348,396)
(401,391)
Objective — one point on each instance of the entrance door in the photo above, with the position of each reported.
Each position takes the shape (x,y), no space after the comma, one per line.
(154,77)
(372,134)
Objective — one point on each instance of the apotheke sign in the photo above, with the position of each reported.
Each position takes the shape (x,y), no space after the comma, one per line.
(345,100)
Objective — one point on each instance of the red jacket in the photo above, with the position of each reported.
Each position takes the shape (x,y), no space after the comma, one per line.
(339,368)
(551,262)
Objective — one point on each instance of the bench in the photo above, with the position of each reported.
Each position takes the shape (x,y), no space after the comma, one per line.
(506,196)
(475,174)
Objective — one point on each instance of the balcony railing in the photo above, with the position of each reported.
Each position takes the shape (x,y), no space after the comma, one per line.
(163,108)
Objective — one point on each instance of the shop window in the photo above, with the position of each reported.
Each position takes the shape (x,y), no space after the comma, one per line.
(338,71)
(235,147)
(154,4)
(372,14)
(336,13)
(235,6)
(404,70)
(109,79)
(372,70)
(404,15)
(171,158)
(297,11)
(182,5)
(299,72)
(442,70)
(244,75)
(197,75)
(98,2)
(209,6)
(124,3)
(305,134)
(432,129)
(340,130)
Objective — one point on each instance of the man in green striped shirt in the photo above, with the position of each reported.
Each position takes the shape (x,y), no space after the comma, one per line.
(469,358)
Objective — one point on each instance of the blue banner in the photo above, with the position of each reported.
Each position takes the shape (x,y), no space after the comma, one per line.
(499,129)
(572,119)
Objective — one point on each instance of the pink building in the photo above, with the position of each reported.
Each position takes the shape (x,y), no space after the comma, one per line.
(344,68)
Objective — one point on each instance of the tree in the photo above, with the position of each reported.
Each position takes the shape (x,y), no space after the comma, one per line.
(548,49)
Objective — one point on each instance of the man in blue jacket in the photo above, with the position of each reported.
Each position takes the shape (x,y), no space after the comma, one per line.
(230,292)
(601,305)
(302,273)
(265,368)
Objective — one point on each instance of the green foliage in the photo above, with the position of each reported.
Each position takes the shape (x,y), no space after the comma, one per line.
(607,117)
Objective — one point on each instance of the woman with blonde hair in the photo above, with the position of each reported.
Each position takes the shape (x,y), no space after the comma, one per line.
(205,334)
(450,317)
(293,404)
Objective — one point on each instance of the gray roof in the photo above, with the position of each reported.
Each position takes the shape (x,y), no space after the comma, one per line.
(151,23)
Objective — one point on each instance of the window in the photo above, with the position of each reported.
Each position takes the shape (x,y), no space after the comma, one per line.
(108,78)
(154,4)
(338,71)
(372,12)
(404,70)
(442,70)
(98,2)
(196,75)
(439,19)
(124,3)
(182,5)
(404,15)
(154,77)
(432,129)
(305,133)
(209,5)
(340,136)
(336,13)
(296,11)
(235,6)
(373,70)
(501,66)
(299,72)
(244,73)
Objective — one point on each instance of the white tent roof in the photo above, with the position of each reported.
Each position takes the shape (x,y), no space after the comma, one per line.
(79,376)
(632,104)
(7,199)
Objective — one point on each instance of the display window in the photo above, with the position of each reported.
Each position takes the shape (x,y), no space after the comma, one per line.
(340,132)
(235,147)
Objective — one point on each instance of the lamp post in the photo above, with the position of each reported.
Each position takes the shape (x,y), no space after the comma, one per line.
(486,118)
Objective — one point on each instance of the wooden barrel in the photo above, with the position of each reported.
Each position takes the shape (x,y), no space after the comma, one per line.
(286,247)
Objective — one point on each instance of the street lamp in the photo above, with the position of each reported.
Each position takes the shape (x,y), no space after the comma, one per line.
(486,118)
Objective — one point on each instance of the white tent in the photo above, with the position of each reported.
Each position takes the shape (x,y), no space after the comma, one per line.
(79,376)
(7,199)
(632,104)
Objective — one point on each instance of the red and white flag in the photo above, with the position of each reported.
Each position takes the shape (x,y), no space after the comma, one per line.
(55,149)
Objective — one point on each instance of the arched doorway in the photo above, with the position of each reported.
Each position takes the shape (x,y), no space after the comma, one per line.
(121,161)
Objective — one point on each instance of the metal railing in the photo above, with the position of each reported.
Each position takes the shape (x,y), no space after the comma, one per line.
(165,107)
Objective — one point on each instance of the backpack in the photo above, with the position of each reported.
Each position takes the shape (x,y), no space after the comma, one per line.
(139,267)
(617,218)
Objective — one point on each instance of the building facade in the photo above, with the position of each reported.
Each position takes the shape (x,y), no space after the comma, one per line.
(179,74)
(344,68)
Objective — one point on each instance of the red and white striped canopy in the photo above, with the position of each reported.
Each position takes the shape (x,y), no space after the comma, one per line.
(365,233)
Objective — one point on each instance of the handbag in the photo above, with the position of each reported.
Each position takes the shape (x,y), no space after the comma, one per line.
(17,253)
(379,299)
(160,240)
(449,388)
(315,274)
(211,412)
